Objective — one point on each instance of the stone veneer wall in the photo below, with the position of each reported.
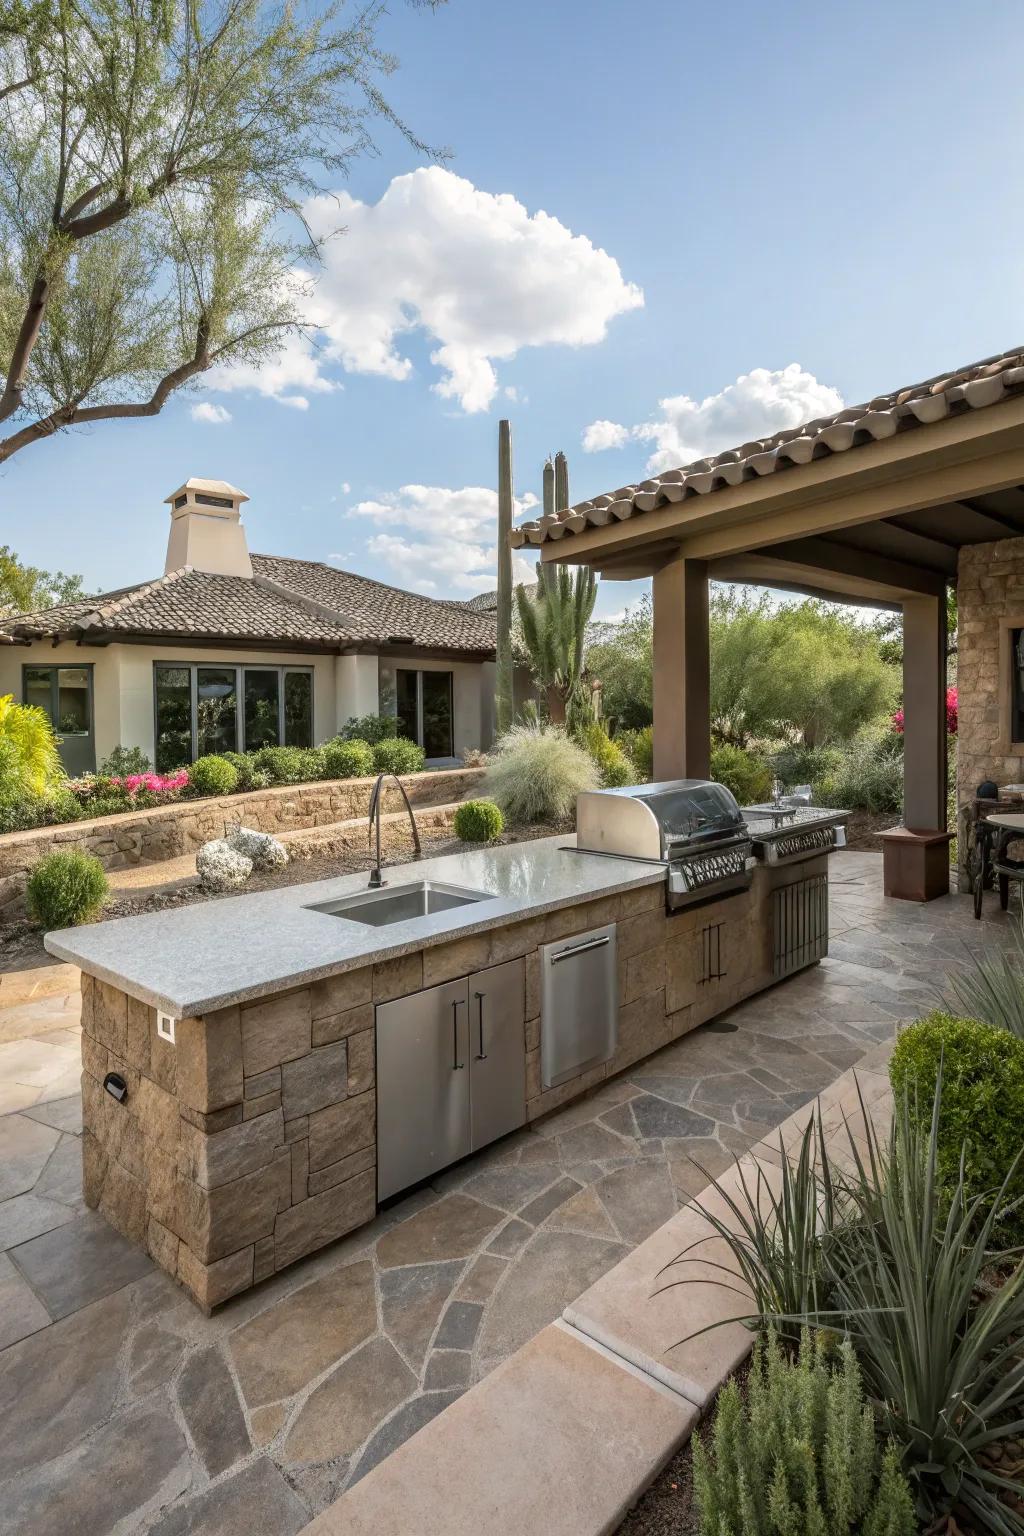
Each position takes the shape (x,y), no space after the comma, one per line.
(251,1142)
(168,831)
(990,588)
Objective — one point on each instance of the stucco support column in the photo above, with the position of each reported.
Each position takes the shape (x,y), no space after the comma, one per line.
(682,675)
(924,713)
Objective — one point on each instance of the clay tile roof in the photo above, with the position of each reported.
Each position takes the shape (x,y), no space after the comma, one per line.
(300,602)
(971,388)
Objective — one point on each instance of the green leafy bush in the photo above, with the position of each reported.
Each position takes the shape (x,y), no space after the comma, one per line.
(347,759)
(612,764)
(982,1115)
(800,764)
(371,728)
(212,775)
(868,775)
(479,821)
(289,765)
(745,773)
(801,1455)
(59,806)
(397,755)
(18,815)
(65,889)
(107,805)
(245,768)
(639,748)
(124,761)
(535,775)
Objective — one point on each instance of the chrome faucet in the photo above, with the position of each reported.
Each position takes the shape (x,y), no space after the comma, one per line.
(376,804)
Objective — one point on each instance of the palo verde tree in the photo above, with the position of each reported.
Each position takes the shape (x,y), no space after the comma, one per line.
(554,619)
(154,159)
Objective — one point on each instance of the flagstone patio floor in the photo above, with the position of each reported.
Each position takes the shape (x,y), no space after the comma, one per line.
(126,1410)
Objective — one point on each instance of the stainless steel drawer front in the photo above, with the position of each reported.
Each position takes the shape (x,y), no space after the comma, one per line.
(579,1025)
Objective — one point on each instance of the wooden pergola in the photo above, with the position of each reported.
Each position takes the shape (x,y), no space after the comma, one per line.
(871,506)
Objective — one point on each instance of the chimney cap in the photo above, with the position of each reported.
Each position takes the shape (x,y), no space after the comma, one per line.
(203,487)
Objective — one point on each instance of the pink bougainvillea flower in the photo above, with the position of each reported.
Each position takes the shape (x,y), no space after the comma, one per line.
(952,714)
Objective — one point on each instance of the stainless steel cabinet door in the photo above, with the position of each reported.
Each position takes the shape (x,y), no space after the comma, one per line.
(497,1015)
(423,1071)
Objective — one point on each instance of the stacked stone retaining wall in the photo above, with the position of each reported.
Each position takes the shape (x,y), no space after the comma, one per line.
(169,831)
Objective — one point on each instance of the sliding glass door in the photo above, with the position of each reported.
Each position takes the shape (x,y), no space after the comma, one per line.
(224,708)
(425,710)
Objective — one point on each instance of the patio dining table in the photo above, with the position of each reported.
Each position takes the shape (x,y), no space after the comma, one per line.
(993,836)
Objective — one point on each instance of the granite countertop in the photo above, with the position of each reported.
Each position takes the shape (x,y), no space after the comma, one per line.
(199,958)
(761,819)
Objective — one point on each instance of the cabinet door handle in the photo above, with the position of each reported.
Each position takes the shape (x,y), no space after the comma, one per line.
(579,949)
(457,1065)
(481,1054)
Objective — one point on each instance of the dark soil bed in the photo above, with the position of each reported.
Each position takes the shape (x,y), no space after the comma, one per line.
(21,944)
(863,827)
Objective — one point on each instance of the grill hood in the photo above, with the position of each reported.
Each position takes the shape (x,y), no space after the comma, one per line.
(657,821)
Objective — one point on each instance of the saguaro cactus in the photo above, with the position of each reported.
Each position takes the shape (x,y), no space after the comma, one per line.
(561,482)
(504,705)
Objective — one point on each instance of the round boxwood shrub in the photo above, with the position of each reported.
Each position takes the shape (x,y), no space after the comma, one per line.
(347,759)
(479,821)
(397,755)
(289,765)
(982,1107)
(212,775)
(65,889)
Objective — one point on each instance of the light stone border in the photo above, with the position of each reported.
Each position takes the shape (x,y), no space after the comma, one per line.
(565,1435)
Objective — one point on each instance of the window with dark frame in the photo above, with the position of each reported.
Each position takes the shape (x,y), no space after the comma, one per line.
(205,708)
(425,709)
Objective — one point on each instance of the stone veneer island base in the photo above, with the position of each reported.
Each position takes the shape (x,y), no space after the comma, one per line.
(251,1140)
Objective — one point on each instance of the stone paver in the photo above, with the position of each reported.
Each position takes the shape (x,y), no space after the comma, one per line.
(296,1390)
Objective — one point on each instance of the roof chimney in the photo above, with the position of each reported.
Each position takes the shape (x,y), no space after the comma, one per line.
(206,529)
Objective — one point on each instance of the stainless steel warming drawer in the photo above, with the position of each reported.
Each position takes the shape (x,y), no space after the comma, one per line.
(579,1015)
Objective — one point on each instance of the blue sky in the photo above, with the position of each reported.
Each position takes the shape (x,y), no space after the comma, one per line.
(834,187)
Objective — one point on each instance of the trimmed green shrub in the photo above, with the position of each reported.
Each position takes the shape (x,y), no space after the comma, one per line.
(18,815)
(799,764)
(982,1110)
(212,775)
(479,821)
(371,728)
(107,805)
(244,766)
(747,775)
(125,761)
(344,759)
(65,889)
(289,765)
(535,775)
(801,1454)
(612,764)
(395,754)
(639,747)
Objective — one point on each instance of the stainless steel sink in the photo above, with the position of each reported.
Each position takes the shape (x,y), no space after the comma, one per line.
(400,903)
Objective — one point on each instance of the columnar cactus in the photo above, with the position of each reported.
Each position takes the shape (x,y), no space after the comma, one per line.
(504,704)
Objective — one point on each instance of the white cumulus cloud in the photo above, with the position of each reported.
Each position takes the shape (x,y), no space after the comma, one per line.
(439,540)
(758,404)
(207,411)
(474,271)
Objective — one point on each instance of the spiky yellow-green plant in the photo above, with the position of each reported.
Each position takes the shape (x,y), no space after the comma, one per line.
(29,759)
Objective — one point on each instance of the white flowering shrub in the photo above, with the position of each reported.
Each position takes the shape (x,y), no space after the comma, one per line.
(220,868)
(264,851)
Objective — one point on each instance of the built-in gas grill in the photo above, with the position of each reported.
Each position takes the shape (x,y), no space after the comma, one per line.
(692,826)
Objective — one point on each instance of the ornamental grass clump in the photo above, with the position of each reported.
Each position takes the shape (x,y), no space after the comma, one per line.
(535,775)
(981,1127)
(478,821)
(65,889)
(801,1454)
(992,990)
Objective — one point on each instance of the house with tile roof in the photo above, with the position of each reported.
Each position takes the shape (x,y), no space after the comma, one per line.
(231,650)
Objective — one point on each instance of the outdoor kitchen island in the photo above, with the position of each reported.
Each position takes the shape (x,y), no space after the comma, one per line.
(260,1071)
